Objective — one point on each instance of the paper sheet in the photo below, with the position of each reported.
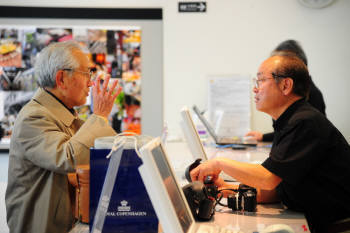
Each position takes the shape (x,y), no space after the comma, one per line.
(229,104)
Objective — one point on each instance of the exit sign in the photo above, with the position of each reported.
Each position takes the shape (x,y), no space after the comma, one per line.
(192,6)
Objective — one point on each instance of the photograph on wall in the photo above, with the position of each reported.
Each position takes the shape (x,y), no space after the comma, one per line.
(112,52)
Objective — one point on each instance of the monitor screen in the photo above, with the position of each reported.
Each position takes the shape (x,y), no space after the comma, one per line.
(205,122)
(184,216)
(192,138)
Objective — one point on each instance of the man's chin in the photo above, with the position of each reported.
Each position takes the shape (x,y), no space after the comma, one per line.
(258,107)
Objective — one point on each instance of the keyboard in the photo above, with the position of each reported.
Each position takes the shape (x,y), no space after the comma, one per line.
(206,228)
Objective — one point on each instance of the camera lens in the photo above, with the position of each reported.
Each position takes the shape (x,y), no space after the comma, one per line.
(249,201)
(231,202)
(234,202)
(206,209)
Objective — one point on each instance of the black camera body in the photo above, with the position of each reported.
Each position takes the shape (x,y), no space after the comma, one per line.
(243,200)
(201,199)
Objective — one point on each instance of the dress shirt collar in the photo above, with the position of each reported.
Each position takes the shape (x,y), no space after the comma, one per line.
(69,109)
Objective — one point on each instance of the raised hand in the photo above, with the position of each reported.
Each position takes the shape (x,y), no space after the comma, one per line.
(103,99)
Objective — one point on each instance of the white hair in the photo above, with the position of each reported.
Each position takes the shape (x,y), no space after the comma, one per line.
(55,57)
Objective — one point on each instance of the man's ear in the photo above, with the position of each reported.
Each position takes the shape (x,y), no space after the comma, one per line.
(287,86)
(60,81)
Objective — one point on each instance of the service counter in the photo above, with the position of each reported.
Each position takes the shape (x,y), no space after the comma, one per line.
(266,215)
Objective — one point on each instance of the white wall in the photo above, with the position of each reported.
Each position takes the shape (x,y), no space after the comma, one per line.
(235,36)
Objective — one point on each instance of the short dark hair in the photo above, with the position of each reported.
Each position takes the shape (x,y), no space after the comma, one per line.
(293,67)
(293,47)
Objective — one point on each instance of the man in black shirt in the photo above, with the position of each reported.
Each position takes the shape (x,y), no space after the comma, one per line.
(315,97)
(308,167)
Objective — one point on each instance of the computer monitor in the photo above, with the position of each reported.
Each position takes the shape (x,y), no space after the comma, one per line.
(192,138)
(244,141)
(205,123)
(164,190)
(194,142)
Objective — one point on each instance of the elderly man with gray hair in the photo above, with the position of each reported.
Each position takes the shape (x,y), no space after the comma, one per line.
(49,140)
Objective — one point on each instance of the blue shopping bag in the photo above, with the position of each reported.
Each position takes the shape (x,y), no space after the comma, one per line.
(130,209)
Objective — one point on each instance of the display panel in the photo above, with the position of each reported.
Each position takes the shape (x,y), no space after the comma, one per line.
(192,138)
(144,24)
(114,52)
(172,188)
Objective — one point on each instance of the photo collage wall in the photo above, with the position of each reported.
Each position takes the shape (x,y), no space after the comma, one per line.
(116,52)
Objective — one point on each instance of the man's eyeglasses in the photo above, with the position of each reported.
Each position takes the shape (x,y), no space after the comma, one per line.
(274,75)
(90,73)
(257,81)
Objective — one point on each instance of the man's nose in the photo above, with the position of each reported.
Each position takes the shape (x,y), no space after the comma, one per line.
(90,83)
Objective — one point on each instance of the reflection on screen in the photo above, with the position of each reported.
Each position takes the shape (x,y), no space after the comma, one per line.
(173,190)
